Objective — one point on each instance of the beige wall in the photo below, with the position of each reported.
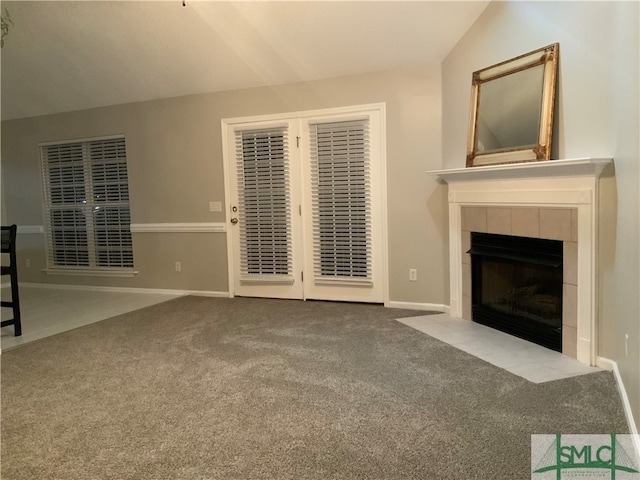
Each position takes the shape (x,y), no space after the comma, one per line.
(175,169)
(597,116)
(3,210)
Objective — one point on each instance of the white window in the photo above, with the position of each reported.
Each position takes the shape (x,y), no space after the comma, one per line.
(87,216)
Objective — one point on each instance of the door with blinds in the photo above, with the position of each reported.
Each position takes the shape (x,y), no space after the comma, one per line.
(265,220)
(306,198)
(343,208)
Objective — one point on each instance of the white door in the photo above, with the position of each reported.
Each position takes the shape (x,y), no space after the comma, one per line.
(265,219)
(343,209)
(307,197)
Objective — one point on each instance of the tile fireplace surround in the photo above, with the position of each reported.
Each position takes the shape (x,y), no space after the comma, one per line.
(555,199)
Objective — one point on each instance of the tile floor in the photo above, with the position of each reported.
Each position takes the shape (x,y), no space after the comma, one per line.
(47,311)
(528,360)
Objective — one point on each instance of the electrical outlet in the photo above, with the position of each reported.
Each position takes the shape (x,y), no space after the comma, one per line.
(178,267)
(413,275)
(27,263)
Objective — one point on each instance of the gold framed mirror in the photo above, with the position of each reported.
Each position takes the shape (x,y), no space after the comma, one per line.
(511,114)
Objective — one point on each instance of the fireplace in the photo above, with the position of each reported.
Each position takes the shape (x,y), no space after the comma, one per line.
(553,200)
(516,286)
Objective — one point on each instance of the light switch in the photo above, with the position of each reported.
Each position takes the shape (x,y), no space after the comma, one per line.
(215,206)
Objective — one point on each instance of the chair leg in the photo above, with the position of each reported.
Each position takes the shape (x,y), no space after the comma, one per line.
(17,323)
(9,247)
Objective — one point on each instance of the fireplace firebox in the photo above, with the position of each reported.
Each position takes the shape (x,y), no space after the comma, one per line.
(516,286)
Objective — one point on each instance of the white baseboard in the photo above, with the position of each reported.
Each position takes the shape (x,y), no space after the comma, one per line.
(612,366)
(159,291)
(434,307)
(605,363)
(204,293)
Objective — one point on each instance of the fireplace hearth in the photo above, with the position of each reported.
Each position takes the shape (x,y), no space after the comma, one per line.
(516,286)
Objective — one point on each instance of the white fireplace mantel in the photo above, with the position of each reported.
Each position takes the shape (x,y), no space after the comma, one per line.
(571,183)
(552,168)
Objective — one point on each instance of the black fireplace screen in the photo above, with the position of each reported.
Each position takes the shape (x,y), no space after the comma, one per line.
(516,286)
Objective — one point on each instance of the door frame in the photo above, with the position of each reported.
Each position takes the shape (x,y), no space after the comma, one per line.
(228,124)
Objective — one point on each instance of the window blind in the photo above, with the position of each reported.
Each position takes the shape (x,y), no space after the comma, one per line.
(340,192)
(264,203)
(87,204)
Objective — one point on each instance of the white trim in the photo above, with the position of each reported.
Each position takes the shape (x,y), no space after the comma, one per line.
(228,122)
(30,229)
(226,159)
(160,291)
(382,107)
(433,307)
(605,363)
(342,282)
(572,167)
(81,140)
(267,279)
(90,272)
(611,365)
(218,227)
(249,128)
(521,197)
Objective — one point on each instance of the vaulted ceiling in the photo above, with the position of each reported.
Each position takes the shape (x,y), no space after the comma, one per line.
(64,56)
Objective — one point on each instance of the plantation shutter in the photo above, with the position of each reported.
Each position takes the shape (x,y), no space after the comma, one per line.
(87,204)
(111,214)
(264,211)
(340,192)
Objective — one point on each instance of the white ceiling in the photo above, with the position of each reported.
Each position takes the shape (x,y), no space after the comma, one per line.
(64,56)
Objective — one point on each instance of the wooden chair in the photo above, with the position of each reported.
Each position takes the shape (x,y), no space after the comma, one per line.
(9,247)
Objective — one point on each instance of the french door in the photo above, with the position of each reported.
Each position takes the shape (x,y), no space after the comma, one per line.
(306,204)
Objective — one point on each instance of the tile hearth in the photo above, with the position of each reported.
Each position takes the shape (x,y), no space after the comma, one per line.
(519,357)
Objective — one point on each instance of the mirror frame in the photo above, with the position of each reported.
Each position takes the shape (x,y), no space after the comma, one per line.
(547,56)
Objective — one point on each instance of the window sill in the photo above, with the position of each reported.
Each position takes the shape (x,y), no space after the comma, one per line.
(92,272)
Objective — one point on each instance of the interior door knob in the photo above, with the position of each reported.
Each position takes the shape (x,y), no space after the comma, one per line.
(234,220)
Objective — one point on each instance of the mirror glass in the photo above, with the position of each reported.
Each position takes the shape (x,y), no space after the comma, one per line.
(512,110)
(509,110)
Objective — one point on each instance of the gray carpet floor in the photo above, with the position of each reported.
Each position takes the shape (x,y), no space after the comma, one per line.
(204,388)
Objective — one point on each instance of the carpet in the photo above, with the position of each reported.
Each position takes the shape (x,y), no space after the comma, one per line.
(204,388)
